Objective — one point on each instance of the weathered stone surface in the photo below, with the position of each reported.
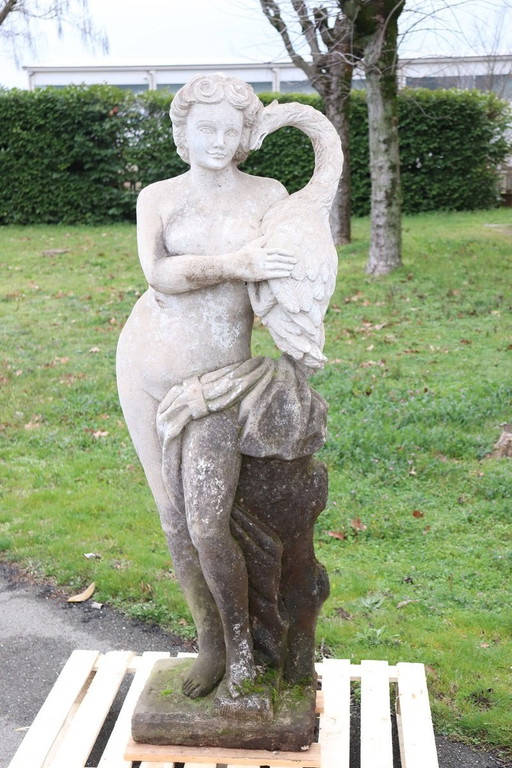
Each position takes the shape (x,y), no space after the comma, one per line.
(163,715)
(226,440)
(287,497)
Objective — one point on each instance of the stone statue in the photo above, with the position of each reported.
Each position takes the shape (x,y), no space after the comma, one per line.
(225,439)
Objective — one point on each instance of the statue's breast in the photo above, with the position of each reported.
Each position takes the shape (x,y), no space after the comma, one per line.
(202,231)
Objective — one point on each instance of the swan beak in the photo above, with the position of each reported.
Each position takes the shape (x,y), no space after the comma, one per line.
(257,139)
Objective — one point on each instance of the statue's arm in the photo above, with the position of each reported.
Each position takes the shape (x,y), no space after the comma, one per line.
(189,272)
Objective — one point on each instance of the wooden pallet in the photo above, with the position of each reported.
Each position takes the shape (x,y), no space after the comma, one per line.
(66,728)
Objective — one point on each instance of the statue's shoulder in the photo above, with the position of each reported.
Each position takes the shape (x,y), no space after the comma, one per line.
(161,191)
(271,189)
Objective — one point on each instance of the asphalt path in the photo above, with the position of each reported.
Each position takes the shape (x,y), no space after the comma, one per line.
(38,631)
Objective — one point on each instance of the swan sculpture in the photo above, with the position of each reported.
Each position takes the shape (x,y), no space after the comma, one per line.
(293,308)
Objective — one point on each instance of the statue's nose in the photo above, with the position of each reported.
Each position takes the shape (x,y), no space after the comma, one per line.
(219,139)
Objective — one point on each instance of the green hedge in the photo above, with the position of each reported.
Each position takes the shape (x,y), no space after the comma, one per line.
(62,156)
(451,144)
(80,154)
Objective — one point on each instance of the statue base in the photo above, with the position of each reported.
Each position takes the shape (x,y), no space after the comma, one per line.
(262,718)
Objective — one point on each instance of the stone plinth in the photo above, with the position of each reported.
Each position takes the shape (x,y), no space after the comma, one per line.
(273,719)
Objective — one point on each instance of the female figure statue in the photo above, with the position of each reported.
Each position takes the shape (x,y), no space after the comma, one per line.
(215,243)
(198,245)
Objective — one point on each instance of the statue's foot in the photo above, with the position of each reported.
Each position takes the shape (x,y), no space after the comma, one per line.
(255,705)
(206,671)
(240,676)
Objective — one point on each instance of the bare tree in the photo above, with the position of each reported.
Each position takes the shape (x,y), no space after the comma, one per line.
(329,68)
(19,17)
(340,35)
(376,24)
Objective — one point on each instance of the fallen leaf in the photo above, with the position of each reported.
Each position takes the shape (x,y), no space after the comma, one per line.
(403,603)
(32,425)
(337,535)
(485,645)
(55,252)
(94,349)
(83,596)
(355,297)
(100,433)
(417,513)
(92,556)
(357,524)
(426,529)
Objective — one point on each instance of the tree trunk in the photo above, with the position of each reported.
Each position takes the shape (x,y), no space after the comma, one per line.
(386,203)
(338,112)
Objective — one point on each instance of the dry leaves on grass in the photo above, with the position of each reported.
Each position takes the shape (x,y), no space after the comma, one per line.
(337,535)
(83,596)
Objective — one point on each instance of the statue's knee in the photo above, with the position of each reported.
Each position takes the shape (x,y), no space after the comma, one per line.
(207,533)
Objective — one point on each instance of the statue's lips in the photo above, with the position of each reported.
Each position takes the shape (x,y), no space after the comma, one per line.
(217,155)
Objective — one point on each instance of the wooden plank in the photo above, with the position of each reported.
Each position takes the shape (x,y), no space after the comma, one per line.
(152,765)
(55,710)
(112,756)
(356,671)
(152,753)
(204,765)
(416,734)
(334,736)
(83,730)
(229,765)
(376,740)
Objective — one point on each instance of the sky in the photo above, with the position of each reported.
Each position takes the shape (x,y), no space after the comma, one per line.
(226,31)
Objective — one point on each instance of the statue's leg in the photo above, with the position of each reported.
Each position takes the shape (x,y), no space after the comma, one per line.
(140,413)
(210,470)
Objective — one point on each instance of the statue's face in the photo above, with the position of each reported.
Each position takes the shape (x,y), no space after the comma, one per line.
(213,133)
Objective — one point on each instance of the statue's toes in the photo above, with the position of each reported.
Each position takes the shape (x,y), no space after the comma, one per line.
(202,678)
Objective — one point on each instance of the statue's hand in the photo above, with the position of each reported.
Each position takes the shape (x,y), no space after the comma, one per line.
(254,263)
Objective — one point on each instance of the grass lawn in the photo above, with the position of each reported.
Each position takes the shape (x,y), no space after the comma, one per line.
(417,532)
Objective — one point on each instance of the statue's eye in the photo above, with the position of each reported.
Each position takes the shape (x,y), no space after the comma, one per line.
(205,129)
(232,133)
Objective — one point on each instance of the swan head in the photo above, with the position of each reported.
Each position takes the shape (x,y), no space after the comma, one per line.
(268,121)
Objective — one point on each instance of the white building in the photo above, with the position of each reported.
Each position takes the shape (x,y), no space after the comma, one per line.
(482,72)
(275,76)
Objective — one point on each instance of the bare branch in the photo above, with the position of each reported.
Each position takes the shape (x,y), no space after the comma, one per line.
(307,26)
(272,12)
(17,17)
(6,9)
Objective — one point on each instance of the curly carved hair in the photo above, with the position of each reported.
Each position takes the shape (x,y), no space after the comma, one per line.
(212,89)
